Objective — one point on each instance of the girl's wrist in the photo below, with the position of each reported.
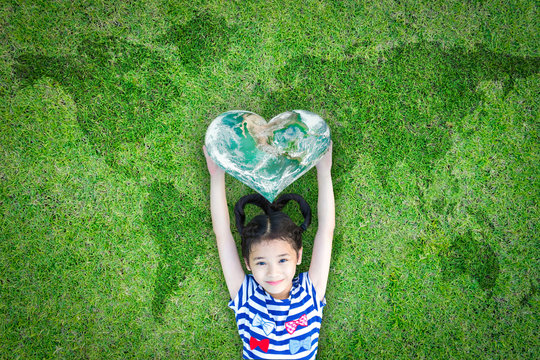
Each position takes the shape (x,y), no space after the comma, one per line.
(326,171)
(218,175)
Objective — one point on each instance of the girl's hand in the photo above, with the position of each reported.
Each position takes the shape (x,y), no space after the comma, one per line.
(213,169)
(326,161)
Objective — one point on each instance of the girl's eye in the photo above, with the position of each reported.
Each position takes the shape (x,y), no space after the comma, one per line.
(261,263)
(283,260)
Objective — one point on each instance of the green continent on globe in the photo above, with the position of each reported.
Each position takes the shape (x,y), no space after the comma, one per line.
(263,133)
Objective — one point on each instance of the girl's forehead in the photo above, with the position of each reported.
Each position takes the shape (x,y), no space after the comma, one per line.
(272,246)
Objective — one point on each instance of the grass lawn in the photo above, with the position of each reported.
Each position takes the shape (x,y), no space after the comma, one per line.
(106,243)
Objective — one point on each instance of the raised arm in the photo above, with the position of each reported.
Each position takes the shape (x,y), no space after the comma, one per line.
(228,253)
(322,246)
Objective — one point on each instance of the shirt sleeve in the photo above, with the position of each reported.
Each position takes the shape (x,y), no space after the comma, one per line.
(245,291)
(310,288)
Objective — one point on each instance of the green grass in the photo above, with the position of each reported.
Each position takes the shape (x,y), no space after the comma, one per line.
(106,247)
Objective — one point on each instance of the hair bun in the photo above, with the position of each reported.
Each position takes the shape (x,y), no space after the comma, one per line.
(305,209)
(268,208)
(255,199)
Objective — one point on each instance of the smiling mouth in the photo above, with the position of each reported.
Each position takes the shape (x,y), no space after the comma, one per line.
(273,283)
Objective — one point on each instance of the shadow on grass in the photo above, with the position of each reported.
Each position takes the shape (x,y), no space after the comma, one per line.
(172,220)
(121,88)
(202,40)
(473,257)
(402,107)
(468,253)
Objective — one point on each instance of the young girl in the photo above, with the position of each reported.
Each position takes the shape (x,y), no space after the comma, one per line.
(278,315)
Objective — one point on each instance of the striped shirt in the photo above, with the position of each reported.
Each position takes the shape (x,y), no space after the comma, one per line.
(278,329)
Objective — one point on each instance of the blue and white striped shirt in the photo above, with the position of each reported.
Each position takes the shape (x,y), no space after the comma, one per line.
(278,329)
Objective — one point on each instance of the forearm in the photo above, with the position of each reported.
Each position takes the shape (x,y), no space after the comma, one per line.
(322,246)
(218,205)
(228,255)
(326,203)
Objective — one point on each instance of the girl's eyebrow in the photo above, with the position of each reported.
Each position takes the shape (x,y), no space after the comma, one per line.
(262,257)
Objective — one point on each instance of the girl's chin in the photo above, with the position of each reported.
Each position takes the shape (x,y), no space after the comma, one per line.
(280,293)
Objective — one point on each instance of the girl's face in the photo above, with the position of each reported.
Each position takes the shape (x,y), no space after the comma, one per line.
(273,265)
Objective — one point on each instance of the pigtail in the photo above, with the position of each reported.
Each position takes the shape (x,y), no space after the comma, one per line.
(240,215)
(274,224)
(305,209)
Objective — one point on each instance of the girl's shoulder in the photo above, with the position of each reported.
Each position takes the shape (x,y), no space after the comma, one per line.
(248,290)
(308,289)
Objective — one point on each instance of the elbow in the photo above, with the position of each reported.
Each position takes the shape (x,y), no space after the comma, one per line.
(327,230)
(330,225)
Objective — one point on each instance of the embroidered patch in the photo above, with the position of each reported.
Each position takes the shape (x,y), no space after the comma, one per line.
(262,344)
(297,345)
(267,326)
(292,325)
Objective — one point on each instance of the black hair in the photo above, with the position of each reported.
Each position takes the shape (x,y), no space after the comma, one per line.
(273,224)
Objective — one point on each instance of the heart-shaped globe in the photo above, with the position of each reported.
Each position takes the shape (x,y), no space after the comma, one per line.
(267,156)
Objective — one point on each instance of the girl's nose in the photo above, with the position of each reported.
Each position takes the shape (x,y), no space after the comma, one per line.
(272,269)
